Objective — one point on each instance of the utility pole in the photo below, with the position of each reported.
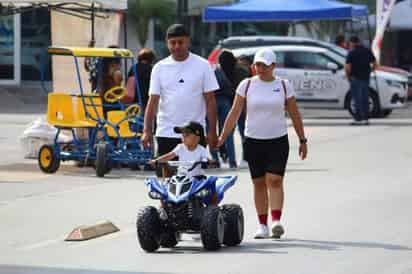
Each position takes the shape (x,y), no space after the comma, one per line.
(181,11)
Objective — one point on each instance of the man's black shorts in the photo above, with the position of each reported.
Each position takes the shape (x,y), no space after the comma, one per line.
(166,145)
(267,156)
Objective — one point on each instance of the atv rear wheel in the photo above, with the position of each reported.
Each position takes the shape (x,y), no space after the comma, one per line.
(234,224)
(212,228)
(168,239)
(148,228)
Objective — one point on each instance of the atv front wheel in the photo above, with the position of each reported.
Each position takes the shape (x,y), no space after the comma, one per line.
(212,228)
(148,228)
(234,224)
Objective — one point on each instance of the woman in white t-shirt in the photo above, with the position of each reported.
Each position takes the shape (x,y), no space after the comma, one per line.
(266,98)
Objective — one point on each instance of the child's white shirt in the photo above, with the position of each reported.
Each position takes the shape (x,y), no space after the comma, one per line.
(198,154)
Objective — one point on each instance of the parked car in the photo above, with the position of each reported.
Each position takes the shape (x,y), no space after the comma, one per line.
(236,42)
(316,70)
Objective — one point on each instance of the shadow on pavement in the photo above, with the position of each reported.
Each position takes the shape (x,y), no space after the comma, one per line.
(308,170)
(21,167)
(406,123)
(336,245)
(247,247)
(70,169)
(21,269)
(270,246)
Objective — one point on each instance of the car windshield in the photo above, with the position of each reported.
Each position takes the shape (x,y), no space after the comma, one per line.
(250,52)
(340,51)
(312,43)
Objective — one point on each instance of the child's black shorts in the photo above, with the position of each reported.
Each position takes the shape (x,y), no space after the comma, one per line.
(268,155)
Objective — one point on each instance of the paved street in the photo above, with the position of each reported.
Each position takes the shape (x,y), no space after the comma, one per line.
(347,209)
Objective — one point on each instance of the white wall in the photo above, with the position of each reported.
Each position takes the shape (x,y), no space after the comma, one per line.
(72,31)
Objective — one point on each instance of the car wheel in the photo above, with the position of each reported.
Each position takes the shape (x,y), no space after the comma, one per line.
(374,104)
(385,113)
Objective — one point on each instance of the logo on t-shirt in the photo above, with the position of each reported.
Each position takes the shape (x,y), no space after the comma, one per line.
(276,90)
(181,81)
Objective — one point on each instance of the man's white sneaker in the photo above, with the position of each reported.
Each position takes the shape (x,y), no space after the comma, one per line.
(277,230)
(262,232)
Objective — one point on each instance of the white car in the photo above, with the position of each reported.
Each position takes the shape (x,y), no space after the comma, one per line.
(319,79)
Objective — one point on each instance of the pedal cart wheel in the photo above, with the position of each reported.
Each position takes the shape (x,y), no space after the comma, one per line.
(48,159)
(212,228)
(234,224)
(102,162)
(148,228)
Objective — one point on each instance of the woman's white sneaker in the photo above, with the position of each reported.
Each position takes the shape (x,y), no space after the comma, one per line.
(262,232)
(277,230)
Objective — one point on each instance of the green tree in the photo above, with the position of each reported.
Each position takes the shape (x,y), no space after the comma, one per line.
(142,11)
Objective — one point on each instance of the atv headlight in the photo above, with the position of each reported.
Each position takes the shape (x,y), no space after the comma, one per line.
(202,193)
(155,195)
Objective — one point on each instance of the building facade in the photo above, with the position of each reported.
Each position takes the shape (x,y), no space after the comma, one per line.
(25,37)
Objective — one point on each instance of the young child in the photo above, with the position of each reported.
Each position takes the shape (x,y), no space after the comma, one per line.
(192,149)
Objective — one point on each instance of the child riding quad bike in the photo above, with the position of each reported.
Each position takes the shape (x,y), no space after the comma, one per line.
(186,208)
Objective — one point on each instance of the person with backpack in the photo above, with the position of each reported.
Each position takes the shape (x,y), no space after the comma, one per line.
(228,74)
(266,99)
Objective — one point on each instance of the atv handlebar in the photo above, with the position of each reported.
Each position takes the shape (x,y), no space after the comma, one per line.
(188,164)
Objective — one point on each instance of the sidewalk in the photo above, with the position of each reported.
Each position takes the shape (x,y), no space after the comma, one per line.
(24,99)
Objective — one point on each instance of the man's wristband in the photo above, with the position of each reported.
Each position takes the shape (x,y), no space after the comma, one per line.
(303,141)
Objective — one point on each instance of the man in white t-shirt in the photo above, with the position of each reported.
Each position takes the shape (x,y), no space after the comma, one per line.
(181,90)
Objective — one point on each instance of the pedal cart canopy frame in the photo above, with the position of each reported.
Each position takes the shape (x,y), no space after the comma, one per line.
(117,142)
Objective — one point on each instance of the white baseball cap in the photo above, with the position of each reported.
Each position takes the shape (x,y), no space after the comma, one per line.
(266,56)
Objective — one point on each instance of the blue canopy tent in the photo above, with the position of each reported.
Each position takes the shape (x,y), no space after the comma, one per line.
(281,10)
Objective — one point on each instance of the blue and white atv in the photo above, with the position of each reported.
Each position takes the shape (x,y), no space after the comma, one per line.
(185,208)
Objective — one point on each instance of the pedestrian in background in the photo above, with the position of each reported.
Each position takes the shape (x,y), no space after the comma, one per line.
(109,75)
(181,90)
(143,70)
(90,65)
(340,41)
(267,145)
(359,64)
(245,63)
(228,74)
(140,85)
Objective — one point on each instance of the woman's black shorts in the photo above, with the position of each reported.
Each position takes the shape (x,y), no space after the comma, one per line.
(268,155)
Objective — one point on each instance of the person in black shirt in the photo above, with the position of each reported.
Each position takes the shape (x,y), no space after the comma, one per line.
(359,64)
(143,69)
(228,74)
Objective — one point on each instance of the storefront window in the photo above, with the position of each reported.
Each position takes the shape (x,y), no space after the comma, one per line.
(7,48)
(35,39)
